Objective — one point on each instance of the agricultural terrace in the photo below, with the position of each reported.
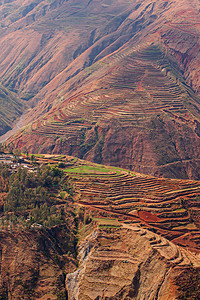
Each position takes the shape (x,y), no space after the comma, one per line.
(167,206)
(110,195)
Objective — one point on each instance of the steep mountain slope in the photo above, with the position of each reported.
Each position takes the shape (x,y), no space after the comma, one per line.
(138,115)
(87,231)
(128,263)
(116,89)
(49,35)
(39,39)
(34,263)
(169,207)
(11,107)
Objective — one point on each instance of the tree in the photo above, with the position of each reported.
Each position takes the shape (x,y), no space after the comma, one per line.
(25,151)
(16,154)
(10,148)
(32,158)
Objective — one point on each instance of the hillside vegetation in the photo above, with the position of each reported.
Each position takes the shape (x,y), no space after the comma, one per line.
(56,210)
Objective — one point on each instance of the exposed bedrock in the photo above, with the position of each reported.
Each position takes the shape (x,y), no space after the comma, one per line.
(126,263)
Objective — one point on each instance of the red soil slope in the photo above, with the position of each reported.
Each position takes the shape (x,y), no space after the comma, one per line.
(168,207)
(113,89)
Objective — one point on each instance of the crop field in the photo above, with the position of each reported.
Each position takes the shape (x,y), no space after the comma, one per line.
(169,207)
(88,170)
(139,100)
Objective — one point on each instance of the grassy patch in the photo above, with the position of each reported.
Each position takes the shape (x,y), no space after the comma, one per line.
(88,170)
(38,155)
(96,170)
(118,169)
(63,194)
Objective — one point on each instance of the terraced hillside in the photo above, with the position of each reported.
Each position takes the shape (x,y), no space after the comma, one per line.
(131,263)
(167,206)
(81,230)
(117,88)
(137,113)
(171,208)
(39,39)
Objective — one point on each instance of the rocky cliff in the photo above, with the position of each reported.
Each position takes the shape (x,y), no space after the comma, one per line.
(34,263)
(128,263)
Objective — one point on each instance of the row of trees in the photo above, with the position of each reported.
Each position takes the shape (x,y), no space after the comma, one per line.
(32,196)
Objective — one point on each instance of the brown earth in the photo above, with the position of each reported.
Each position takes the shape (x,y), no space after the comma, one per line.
(127,263)
(168,207)
(144,236)
(34,263)
(117,89)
